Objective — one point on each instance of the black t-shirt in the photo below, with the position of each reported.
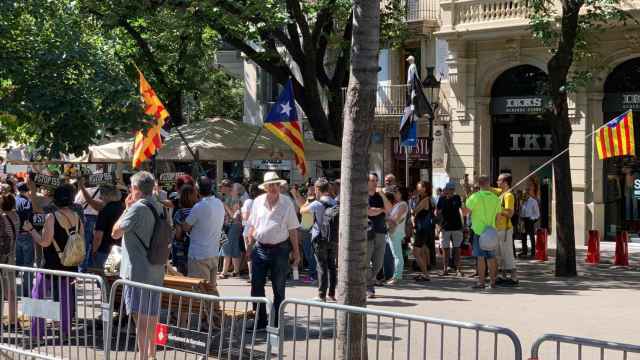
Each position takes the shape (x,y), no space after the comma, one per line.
(450,211)
(377,222)
(107,217)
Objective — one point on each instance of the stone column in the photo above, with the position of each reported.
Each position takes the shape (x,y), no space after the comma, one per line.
(483,136)
(595,181)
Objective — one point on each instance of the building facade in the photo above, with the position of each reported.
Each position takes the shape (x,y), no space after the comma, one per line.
(492,94)
(495,94)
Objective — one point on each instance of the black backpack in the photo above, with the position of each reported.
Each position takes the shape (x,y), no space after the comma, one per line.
(159,245)
(329,228)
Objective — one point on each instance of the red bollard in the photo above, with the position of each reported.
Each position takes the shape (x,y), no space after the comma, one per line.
(593,247)
(541,245)
(622,249)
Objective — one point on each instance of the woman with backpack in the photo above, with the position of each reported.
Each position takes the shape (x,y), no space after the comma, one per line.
(60,227)
(9,224)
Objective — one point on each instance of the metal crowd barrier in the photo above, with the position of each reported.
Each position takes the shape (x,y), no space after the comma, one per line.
(51,314)
(309,330)
(585,348)
(161,323)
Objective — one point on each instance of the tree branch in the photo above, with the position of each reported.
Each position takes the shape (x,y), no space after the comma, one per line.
(342,64)
(295,12)
(146,51)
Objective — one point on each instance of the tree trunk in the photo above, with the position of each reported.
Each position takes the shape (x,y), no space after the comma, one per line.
(358,116)
(566,244)
(558,67)
(174,107)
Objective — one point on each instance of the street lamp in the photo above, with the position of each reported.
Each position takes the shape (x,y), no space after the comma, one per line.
(433,86)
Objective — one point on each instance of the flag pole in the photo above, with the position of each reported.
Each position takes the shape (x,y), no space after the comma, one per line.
(246,155)
(406,167)
(552,159)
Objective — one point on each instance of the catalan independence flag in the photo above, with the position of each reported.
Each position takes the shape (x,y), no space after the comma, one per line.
(616,137)
(145,146)
(283,122)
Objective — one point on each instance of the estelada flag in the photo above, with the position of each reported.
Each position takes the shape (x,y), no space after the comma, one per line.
(616,137)
(145,146)
(282,120)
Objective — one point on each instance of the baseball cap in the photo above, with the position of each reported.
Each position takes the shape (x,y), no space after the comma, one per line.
(450,185)
(22,187)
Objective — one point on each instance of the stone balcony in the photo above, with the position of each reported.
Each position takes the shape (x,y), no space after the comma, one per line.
(422,16)
(484,18)
(390,99)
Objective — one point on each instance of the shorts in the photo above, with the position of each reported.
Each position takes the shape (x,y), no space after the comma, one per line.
(206,269)
(141,301)
(477,252)
(421,239)
(506,261)
(449,238)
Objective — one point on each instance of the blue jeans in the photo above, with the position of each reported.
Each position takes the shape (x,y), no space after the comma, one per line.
(273,259)
(307,252)
(89,226)
(24,250)
(100,260)
(394,240)
(25,257)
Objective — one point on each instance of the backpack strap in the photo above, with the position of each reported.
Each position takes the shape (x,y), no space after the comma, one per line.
(156,218)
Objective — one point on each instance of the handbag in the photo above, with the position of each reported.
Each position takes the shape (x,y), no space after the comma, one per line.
(488,240)
(74,251)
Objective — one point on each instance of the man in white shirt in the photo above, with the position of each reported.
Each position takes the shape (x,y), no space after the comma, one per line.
(273,233)
(530,213)
(205,226)
(87,199)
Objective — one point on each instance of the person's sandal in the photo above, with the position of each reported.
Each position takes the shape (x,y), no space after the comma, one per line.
(224,276)
(421,278)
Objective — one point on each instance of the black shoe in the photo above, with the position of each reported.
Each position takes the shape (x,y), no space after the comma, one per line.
(259,328)
(501,280)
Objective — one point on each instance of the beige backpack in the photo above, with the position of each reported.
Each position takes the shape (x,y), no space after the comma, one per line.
(74,251)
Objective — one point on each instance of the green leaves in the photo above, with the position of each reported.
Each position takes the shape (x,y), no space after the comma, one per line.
(595,17)
(55,73)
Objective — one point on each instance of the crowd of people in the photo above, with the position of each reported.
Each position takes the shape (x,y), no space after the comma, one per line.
(256,230)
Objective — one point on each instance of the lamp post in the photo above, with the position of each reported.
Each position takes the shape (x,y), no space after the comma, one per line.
(433,85)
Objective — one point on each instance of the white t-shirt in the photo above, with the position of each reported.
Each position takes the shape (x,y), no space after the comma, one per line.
(530,209)
(80,200)
(271,226)
(206,219)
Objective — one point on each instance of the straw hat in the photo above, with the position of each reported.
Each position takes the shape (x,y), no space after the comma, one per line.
(271,177)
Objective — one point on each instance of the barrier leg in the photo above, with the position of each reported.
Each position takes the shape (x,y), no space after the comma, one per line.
(622,249)
(593,247)
(541,245)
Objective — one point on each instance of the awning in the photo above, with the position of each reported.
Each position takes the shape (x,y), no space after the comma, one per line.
(217,139)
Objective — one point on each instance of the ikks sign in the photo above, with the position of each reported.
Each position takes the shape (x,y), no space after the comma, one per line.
(621,102)
(418,152)
(515,140)
(518,105)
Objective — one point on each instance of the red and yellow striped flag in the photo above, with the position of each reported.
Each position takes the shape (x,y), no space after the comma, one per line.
(145,146)
(616,137)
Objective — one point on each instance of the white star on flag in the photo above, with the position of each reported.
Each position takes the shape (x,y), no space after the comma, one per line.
(161,336)
(286,108)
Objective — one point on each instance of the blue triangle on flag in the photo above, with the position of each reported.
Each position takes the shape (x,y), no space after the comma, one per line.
(284,110)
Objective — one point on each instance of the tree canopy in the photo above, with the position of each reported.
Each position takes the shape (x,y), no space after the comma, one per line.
(67,76)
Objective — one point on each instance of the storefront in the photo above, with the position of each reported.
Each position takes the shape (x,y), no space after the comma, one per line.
(521,137)
(417,160)
(622,174)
